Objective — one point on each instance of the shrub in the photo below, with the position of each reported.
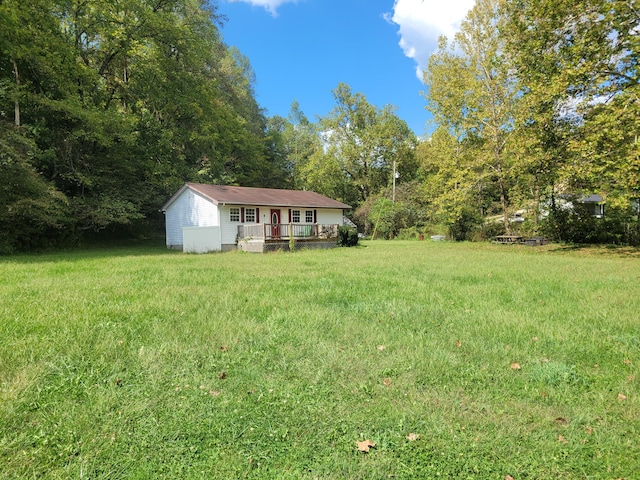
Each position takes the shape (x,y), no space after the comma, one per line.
(464,226)
(347,236)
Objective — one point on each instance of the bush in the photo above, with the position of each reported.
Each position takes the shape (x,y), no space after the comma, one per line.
(579,225)
(464,226)
(490,230)
(347,236)
(410,233)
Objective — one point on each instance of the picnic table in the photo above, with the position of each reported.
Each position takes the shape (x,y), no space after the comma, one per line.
(508,239)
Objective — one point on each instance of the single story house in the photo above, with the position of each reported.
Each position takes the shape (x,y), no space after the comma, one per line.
(594,204)
(202,218)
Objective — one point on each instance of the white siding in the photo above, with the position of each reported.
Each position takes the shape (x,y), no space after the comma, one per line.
(328,216)
(229,229)
(201,239)
(189,210)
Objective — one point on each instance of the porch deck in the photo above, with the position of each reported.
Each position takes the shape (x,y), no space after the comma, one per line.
(263,237)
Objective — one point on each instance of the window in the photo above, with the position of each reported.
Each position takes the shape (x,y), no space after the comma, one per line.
(295,216)
(308,216)
(234,214)
(250,215)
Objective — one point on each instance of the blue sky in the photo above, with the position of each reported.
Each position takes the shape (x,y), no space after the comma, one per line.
(302,49)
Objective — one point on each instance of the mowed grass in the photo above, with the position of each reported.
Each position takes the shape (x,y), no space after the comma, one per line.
(456,360)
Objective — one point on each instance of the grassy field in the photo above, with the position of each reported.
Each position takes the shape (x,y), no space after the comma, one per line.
(456,360)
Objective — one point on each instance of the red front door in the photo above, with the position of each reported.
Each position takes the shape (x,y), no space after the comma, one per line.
(275,223)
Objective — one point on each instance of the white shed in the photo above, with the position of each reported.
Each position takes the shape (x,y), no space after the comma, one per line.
(253,219)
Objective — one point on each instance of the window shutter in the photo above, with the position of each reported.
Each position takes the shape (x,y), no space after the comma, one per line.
(242,215)
(290,218)
(257,215)
(315,216)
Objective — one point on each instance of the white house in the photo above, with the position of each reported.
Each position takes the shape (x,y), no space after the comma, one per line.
(594,204)
(201,218)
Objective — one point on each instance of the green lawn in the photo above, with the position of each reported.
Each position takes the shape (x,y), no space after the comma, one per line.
(495,361)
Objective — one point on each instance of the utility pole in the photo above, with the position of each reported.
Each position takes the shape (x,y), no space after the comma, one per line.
(395,175)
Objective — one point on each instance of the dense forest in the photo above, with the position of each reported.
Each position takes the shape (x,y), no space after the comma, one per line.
(107,107)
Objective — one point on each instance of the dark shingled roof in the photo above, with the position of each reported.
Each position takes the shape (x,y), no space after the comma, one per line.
(231,195)
(593,198)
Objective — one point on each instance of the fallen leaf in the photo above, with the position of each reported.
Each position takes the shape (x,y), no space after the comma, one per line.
(222,376)
(562,421)
(509,477)
(381,348)
(515,366)
(364,446)
(627,362)
(224,348)
(412,437)
(561,439)
(535,339)
(118,382)
(214,393)
(458,343)
(622,396)
(387,382)
(589,430)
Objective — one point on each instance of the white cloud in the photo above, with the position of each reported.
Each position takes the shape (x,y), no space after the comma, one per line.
(423,21)
(270,5)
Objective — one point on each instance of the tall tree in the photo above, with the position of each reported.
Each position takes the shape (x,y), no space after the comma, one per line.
(126,100)
(580,66)
(361,144)
(473,95)
(301,140)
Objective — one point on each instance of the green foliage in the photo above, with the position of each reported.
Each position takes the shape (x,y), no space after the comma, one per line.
(383,218)
(465,225)
(359,146)
(530,98)
(579,79)
(33,214)
(384,215)
(126,100)
(490,229)
(473,97)
(577,224)
(347,236)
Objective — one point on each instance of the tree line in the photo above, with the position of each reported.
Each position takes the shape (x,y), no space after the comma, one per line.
(536,104)
(107,107)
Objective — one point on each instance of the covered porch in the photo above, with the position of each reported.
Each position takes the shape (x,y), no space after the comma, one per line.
(263,237)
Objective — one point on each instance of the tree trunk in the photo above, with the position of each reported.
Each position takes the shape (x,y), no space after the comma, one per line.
(17,94)
(503,202)
(536,204)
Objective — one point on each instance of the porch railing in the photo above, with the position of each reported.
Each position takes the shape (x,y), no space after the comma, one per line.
(284,231)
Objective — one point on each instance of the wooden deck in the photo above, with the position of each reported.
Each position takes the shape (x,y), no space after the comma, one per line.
(508,239)
(269,232)
(266,237)
(518,240)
